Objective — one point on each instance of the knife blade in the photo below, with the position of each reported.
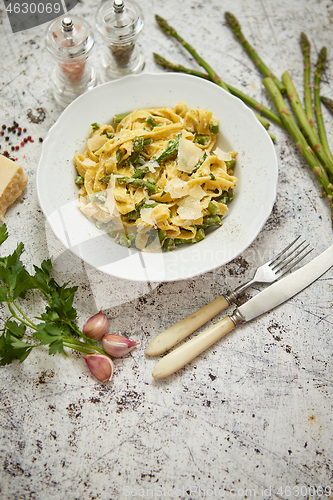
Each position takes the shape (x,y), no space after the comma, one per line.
(265,301)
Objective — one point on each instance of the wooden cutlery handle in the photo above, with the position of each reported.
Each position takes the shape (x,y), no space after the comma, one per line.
(187,352)
(176,333)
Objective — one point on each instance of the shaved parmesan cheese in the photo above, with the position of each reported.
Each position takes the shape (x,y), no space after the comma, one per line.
(147,216)
(88,209)
(222,155)
(177,188)
(152,216)
(141,240)
(87,162)
(110,202)
(188,155)
(152,165)
(148,201)
(189,208)
(96,142)
(197,192)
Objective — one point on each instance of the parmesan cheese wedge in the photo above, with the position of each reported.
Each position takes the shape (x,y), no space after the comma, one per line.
(12,183)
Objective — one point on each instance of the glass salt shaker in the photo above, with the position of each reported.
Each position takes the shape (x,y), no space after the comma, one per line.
(119,23)
(70,39)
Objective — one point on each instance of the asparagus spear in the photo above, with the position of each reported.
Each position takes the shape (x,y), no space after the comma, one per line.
(328,103)
(305,45)
(299,139)
(256,105)
(236,28)
(263,121)
(268,113)
(169,151)
(166,64)
(305,125)
(172,32)
(213,76)
(316,91)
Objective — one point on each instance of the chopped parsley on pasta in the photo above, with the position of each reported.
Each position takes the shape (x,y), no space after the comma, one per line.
(155,177)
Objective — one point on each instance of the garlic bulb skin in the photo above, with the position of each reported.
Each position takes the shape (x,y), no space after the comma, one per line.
(96,326)
(117,345)
(100,366)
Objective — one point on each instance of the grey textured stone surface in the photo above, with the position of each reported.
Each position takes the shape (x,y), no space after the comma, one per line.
(252,416)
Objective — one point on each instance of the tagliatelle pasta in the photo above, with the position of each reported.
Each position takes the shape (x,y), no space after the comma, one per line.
(155,177)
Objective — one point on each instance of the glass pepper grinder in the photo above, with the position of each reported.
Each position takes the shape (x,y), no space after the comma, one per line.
(70,39)
(119,23)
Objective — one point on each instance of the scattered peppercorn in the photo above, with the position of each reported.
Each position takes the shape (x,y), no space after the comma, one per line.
(16,131)
(40,139)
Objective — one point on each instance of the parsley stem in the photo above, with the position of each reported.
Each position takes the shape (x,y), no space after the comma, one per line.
(27,321)
(77,348)
(86,348)
(73,327)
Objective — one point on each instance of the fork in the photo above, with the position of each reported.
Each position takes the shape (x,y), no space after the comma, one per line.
(267,273)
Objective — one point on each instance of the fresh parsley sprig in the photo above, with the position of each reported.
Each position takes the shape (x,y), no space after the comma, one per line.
(55,327)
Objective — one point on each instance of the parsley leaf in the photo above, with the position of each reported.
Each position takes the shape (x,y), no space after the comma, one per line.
(12,348)
(56,327)
(3,233)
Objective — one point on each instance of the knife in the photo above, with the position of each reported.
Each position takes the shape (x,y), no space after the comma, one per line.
(268,299)
(167,339)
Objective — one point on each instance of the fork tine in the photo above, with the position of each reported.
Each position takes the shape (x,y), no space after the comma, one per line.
(292,262)
(289,256)
(284,250)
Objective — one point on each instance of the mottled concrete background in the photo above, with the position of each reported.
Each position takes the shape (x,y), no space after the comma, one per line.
(251,417)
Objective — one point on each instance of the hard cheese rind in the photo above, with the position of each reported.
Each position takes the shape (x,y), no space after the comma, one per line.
(12,183)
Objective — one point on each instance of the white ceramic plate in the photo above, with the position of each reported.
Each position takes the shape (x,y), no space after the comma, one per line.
(240,130)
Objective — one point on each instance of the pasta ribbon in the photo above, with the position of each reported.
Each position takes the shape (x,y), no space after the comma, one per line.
(153,179)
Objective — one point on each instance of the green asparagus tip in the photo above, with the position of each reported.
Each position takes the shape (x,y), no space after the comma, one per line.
(162,22)
(322,55)
(231,20)
(304,38)
(328,103)
(160,60)
(165,27)
(305,44)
